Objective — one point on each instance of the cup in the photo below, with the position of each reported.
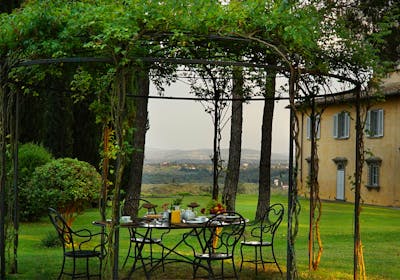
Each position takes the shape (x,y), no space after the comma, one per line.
(125,219)
(202,218)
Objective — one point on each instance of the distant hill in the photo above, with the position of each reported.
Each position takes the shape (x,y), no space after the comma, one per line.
(154,155)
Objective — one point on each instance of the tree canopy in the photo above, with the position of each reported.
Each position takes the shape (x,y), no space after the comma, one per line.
(302,32)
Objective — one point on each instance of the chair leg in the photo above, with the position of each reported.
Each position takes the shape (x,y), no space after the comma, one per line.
(256,261)
(262,258)
(211,274)
(234,269)
(241,256)
(162,258)
(100,267)
(276,262)
(62,268)
(73,268)
(128,255)
(136,253)
(196,265)
(87,269)
(151,253)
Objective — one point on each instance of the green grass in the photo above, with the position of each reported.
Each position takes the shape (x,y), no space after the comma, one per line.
(380,231)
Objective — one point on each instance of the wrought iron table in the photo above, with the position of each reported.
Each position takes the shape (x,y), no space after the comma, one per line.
(193,229)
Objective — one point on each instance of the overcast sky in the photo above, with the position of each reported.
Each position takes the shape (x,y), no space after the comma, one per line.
(182,124)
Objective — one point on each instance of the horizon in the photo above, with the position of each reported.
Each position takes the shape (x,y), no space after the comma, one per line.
(157,155)
(197,149)
(184,125)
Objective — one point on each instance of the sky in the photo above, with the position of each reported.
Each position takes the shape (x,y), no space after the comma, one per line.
(184,125)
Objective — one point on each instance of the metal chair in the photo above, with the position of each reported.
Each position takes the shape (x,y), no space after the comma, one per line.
(263,235)
(77,245)
(136,238)
(219,238)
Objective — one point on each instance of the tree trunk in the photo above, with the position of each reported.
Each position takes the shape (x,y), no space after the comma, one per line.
(264,188)
(6,6)
(139,137)
(235,144)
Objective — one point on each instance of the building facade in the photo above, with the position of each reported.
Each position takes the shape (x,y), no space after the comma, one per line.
(336,141)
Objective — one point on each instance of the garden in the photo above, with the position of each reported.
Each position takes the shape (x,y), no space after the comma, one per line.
(380,236)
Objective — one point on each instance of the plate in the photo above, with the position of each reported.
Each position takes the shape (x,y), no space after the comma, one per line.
(231,217)
(194,222)
(197,221)
(153,216)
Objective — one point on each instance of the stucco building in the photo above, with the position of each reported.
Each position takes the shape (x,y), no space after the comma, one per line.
(337,148)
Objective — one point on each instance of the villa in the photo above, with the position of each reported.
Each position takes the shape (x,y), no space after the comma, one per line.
(337,145)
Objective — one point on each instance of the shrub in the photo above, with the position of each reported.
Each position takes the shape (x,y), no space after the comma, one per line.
(30,156)
(51,240)
(66,184)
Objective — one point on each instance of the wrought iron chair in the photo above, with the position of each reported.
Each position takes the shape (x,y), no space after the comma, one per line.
(77,245)
(136,238)
(262,236)
(219,238)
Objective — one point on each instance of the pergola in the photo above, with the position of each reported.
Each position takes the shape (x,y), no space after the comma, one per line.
(294,74)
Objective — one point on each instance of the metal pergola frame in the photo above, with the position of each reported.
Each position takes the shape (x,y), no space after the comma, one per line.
(292,195)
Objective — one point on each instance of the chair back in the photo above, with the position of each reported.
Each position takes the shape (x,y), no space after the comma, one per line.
(271,221)
(222,233)
(65,233)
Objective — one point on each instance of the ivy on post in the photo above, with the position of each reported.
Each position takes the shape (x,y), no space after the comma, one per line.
(3,143)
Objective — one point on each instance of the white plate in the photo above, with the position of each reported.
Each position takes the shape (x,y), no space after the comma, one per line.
(231,217)
(194,222)
(197,221)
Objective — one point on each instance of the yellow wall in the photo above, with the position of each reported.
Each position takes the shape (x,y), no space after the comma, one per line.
(387,148)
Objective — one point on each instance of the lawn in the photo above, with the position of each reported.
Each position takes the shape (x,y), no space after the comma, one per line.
(380,229)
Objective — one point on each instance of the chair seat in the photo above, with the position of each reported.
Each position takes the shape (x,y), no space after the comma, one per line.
(215,256)
(256,243)
(82,254)
(146,240)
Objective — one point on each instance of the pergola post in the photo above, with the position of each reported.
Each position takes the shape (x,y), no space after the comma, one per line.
(3,171)
(215,188)
(290,241)
(291,270)
(15,214)
(357,186)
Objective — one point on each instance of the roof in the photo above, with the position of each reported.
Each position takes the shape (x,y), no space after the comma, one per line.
(390,87)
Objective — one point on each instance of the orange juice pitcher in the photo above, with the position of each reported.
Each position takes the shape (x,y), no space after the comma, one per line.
(176,215)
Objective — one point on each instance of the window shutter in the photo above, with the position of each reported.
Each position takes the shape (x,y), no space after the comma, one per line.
(318,124)
(367,123)
(308,129)
(346,125)
(335,125)
(380,123)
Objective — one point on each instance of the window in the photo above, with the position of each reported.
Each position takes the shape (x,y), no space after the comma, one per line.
(374,124)
(317,127)
(341,125)
(374,164)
